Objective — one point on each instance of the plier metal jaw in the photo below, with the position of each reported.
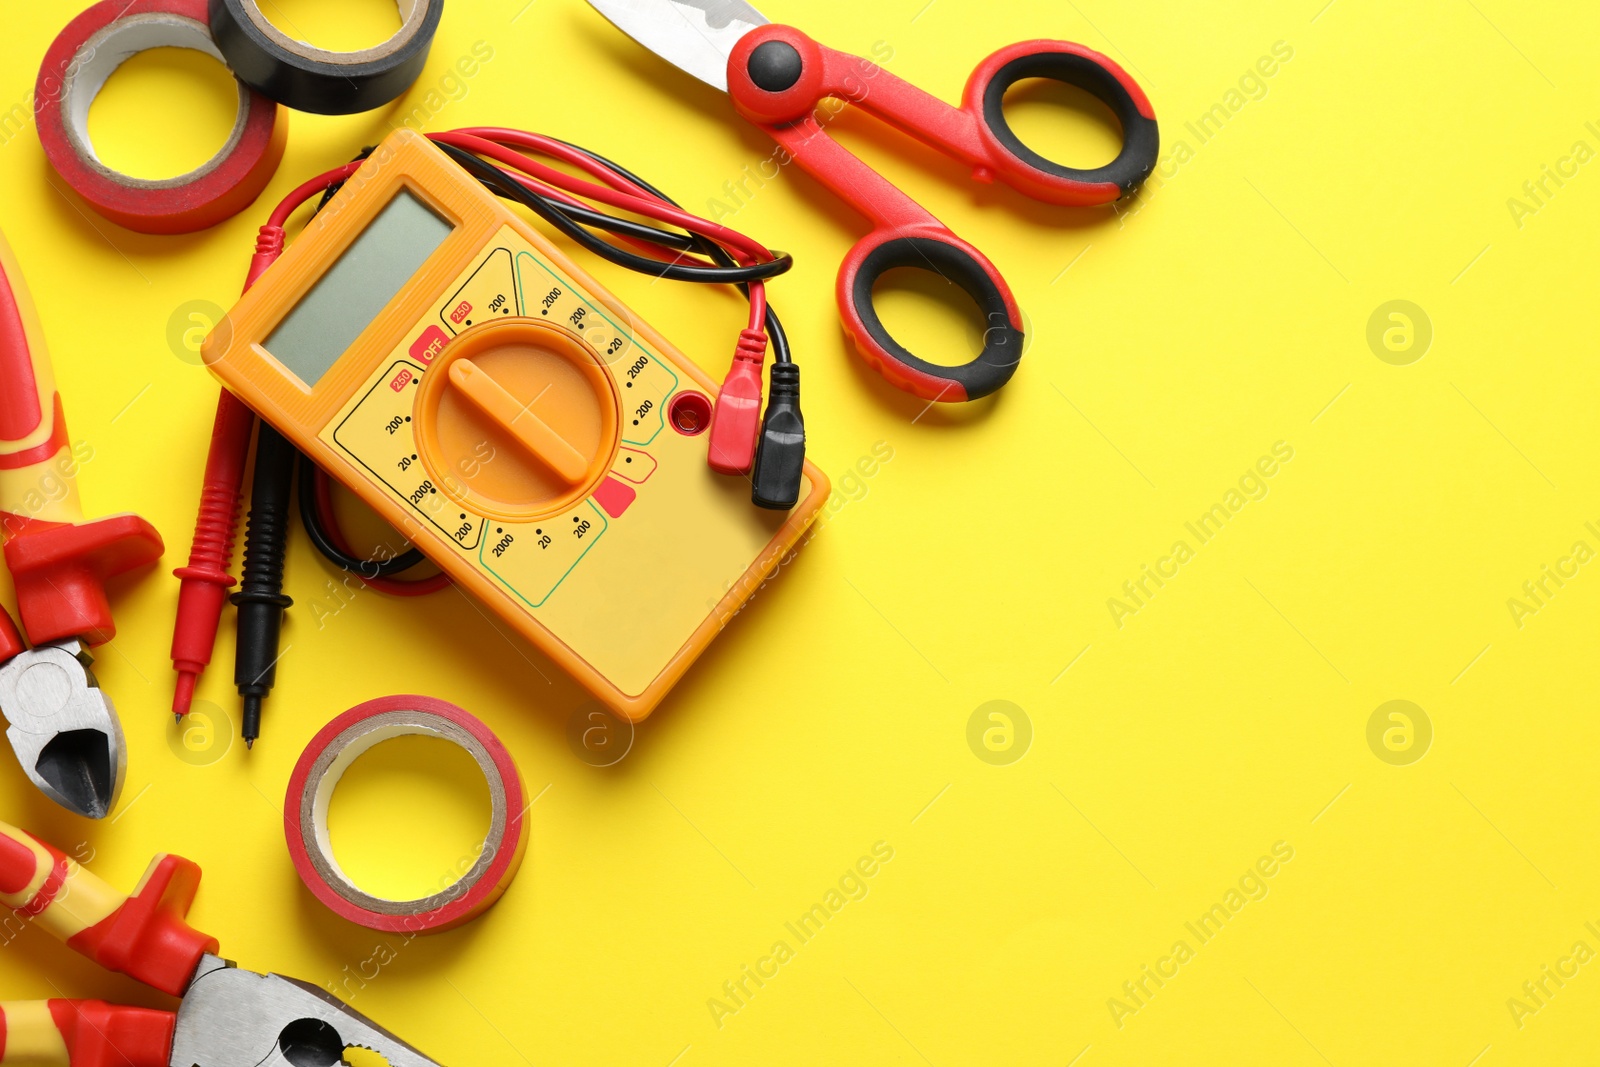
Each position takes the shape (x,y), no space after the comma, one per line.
(63,726)
(235,1018)
(227,1017)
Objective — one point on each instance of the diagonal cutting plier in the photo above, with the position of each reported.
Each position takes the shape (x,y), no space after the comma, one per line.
(61,724)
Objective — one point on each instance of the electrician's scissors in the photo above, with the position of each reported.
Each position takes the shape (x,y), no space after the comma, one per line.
(778,76)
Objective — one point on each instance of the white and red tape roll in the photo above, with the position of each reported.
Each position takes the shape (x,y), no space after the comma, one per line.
(339,744)
(84,55)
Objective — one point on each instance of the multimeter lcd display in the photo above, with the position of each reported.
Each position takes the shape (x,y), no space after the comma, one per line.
(370,273)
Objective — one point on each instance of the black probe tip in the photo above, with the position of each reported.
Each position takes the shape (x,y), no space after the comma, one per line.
(252,719)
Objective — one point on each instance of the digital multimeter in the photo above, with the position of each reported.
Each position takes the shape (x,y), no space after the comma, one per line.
(510,417)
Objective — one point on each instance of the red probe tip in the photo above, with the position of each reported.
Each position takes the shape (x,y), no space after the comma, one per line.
(183,696)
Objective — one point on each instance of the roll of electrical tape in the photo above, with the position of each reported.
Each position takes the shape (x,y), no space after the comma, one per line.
(75,69)
(330,754)
(314,79)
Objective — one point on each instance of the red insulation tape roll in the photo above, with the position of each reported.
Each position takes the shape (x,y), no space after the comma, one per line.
(76,68)
(483,877)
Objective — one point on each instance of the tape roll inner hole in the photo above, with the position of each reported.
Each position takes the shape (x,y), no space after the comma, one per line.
(330,769)
(113,46)
(412,14)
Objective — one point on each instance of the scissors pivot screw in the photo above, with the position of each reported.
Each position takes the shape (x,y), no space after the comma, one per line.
(776,66)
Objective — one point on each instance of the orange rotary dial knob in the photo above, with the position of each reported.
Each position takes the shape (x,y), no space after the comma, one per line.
(517,420)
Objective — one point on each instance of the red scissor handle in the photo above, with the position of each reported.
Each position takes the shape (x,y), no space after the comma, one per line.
(1097,75)
(907,236)
(777,76)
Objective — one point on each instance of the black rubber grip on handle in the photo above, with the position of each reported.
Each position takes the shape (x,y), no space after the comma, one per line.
(1141,136)
(1002,338)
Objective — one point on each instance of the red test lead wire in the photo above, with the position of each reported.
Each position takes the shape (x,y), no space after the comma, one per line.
(736,419)
(501,146)
(206,579)
(408,587)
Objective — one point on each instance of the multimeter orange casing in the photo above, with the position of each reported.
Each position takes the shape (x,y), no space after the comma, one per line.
(511,418)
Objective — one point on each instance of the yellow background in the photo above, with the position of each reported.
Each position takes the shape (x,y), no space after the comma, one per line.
(1227,313)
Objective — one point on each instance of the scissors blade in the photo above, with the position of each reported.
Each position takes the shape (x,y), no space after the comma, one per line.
(696,35)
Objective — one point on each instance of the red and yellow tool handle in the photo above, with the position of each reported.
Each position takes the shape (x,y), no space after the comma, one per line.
(36,466)
(83,1033)
(143,936)
(59,563)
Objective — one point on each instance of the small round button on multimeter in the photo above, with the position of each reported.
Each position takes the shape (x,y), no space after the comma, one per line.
(517,420)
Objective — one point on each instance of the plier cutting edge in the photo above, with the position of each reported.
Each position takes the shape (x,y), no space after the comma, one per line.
(228,1017)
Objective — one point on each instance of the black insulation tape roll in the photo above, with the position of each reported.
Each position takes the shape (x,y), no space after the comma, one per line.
(306,78)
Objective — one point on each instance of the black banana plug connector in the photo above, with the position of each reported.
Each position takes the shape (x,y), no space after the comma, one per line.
(781,449)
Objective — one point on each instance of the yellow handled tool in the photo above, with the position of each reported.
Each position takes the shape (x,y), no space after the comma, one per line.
(228,1017)
(59,562)
(70,748)
(36,465)
(143,936)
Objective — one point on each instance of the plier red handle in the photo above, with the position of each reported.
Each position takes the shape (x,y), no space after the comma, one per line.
(227,1018)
